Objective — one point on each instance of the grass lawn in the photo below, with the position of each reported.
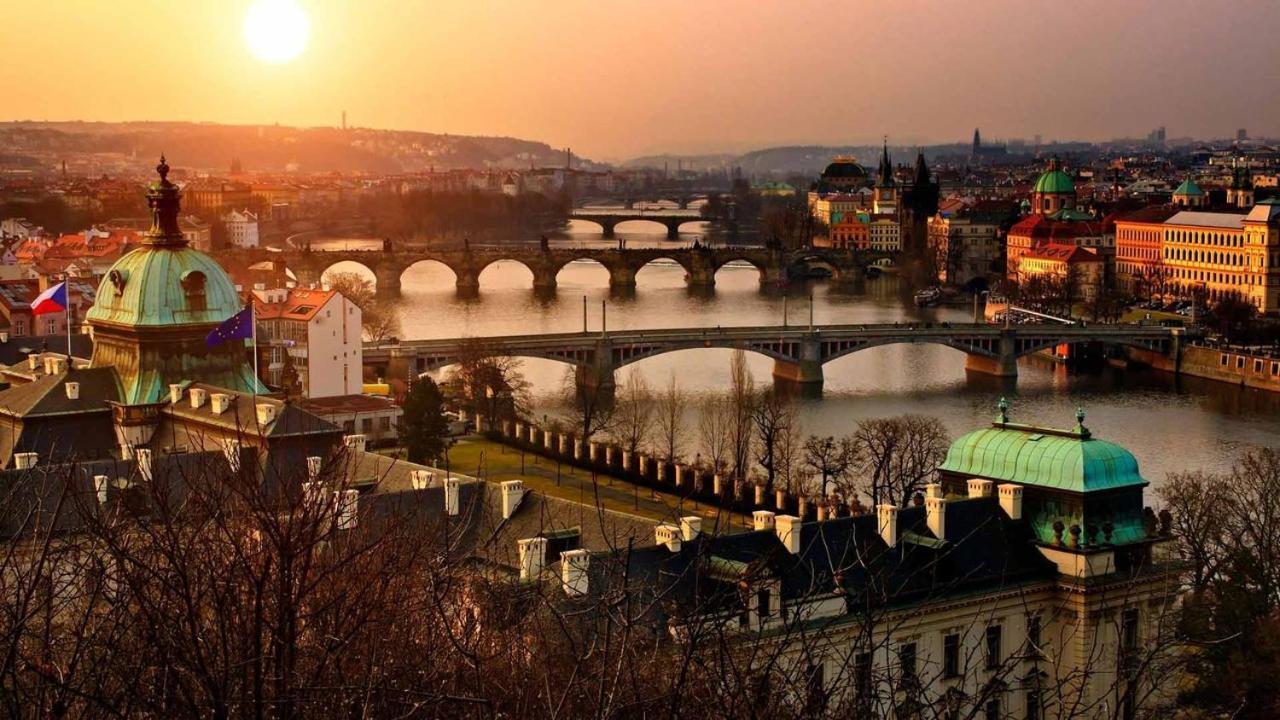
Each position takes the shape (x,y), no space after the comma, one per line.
(496,462)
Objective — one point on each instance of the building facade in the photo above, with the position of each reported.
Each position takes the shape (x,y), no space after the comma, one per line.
(315,335)
(242,228)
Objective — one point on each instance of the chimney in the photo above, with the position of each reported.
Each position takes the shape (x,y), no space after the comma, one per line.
(314,463)
(25,460)
(512,494)
(33,362)
(348,503)
(888,523)
(935,515)
(198,396)
(100,485)
(533,554)
(421,479)
(266,414)
(690,527)
(451,495)
(143,456)
(669,535)
(175,394)
(1011,500)
(73,390)
(4,337)
(979,488)
(219,402)
(312,495)
(788,529)
(231,450)
(355,443)
(573,572)
(126,451)
(762,520)
(54,365)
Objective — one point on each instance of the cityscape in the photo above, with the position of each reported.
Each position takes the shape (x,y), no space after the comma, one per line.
(639,360)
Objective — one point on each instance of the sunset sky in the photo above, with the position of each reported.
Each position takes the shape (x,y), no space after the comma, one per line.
(618,78)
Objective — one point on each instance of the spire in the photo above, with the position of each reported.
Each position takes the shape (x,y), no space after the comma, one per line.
(165,201)
(922,170)
(886,167)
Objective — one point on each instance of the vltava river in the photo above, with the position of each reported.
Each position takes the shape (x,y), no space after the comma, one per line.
(1170,425)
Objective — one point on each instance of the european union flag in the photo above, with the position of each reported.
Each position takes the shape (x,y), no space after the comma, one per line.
(236,327)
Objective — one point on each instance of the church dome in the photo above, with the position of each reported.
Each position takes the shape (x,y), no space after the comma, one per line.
(845,168)
(164,282)
(1054,181)
(1189,188)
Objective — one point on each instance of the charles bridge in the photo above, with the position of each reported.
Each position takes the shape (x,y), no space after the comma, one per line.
(700,263)
(799,353)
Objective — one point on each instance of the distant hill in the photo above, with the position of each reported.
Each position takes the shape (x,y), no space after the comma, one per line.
(797,159)
(276,148)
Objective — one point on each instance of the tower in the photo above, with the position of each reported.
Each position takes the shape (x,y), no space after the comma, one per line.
(885,195)
(156,306)
(919,203)
(1240,193)
(1054,190)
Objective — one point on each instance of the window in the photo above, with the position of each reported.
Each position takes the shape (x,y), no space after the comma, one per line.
(1129,629)
(862,675)
(366,425)
(907,661)
(993,647)
(951,655)
(384,423)
(991,711)
(762,603)
(1033,704)
(1033,635)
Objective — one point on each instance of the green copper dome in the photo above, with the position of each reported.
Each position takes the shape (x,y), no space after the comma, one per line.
(1055,181)
(1055,459)
(165,286)
(1189,188)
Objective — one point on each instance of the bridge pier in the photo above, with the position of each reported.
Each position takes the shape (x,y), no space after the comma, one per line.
(388,283)
(608,226)
(1004,365)
(468,281)
(544,280)
(622,277)
(307,276)
(804,371)
(673,229)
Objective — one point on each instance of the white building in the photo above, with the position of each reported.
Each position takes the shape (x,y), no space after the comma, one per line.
(314,334)
(242,228)
(885,233)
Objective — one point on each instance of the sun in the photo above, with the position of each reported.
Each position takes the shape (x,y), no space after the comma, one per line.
(276,30)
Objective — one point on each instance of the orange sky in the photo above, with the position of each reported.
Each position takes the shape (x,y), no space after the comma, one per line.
(616,78)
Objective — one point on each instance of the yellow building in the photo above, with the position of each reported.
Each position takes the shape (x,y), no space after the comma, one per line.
(1065,263)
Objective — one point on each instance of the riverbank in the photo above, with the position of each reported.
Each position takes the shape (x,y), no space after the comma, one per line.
(1257,371)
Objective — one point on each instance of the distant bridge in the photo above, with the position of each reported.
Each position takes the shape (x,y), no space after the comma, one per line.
(700,264)
(798,352)
(609,218)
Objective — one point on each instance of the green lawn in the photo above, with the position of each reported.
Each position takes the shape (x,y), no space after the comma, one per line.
(496,462)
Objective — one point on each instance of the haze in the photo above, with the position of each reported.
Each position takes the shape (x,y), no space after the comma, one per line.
(622,78)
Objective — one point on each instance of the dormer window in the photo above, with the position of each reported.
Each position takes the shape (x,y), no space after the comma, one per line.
(193,288)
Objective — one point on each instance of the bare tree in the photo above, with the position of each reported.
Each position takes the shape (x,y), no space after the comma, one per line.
(672,404)
(898,455)
(634,411)
(489,384)
(772,418)
(829,459)
(379,319)
(715,432)
(742,399)
(588,400)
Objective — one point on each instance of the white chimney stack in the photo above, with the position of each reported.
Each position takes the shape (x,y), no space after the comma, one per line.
(690,527)
(266,414)
(219,402)
(533,554)
(512,494)
(788,529)
(979,488)
(669,535)
(762,520)
(935,515)
(25,460)
(231,451)
(888,523)
(1011,500)
(100,485)
(143,456)
(573,572)
(4,337)
(33,362)
(198,396)
(314,463)
(355,443)
(312,495)
(348,503)
(175,394)
(451,495)
(73,390)
(421,479)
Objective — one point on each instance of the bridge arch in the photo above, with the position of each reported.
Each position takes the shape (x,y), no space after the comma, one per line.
(586,270)
(365,270)
(657,262)
(480,267)
(633,221)
(429,272)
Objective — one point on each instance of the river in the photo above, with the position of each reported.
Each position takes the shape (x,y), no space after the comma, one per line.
(1170,424)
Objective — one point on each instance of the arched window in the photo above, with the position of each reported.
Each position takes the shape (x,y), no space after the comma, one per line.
(193,288)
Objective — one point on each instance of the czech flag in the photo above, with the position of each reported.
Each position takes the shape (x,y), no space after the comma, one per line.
(52,300)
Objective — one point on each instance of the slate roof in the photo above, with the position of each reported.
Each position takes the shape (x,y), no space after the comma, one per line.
(242,414)
(47,395)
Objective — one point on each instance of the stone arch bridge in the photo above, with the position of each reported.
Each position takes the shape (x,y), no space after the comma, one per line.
(798,353)
(609,219)
(700,264)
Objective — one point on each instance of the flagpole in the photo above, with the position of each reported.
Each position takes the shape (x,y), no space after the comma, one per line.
(253,319)
(66,316)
